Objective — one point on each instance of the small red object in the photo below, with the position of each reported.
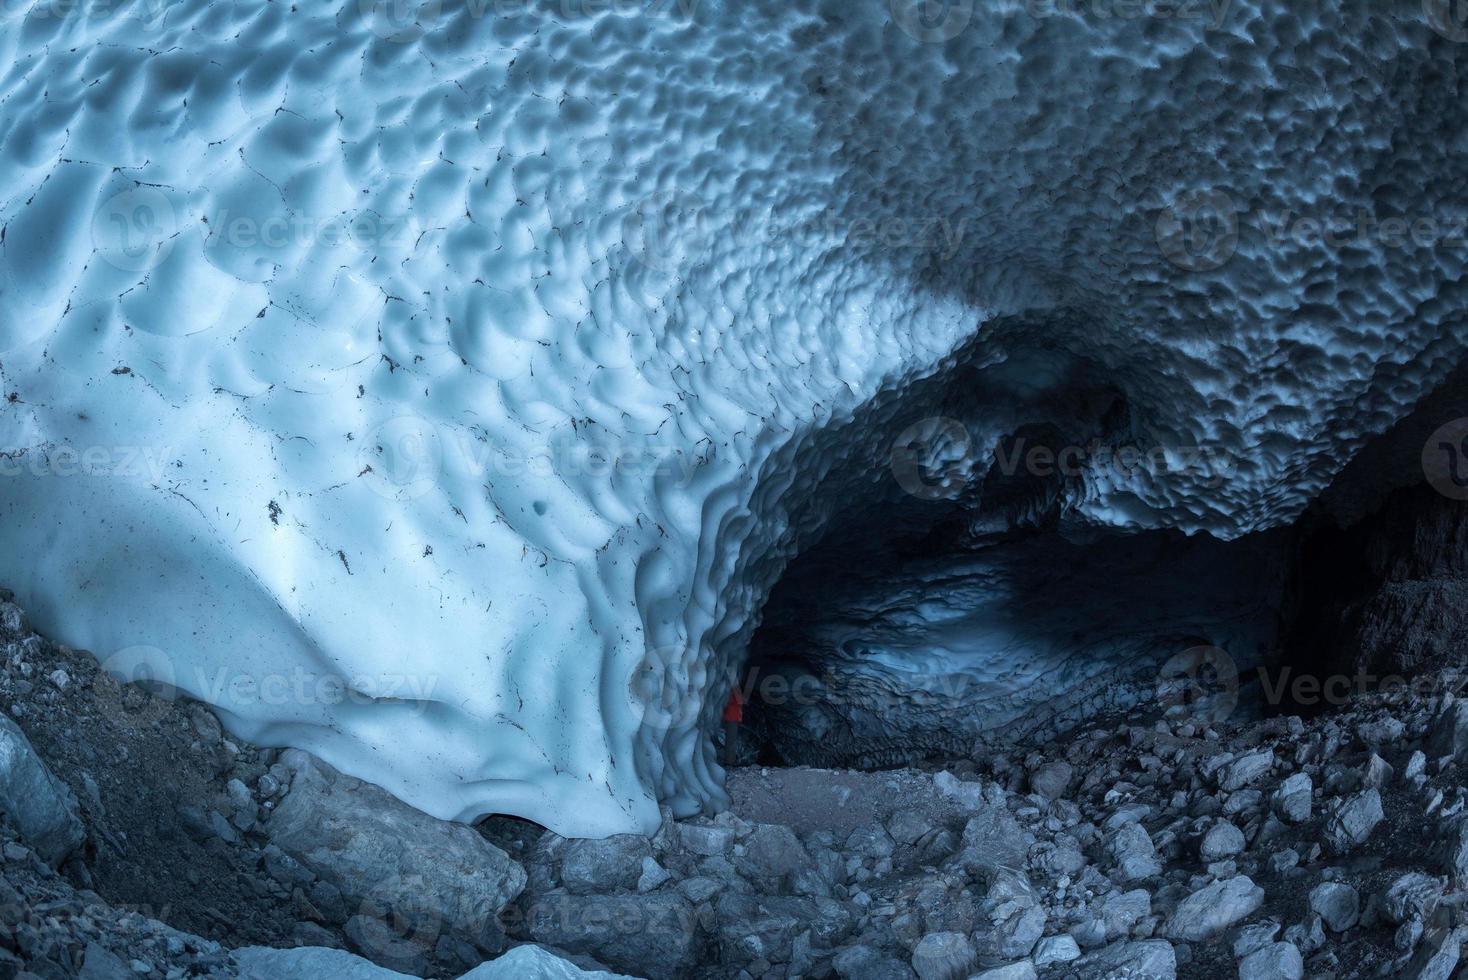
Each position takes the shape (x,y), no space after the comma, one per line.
(734,710)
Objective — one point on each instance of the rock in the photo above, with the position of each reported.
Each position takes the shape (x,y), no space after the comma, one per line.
(1292,800)
(968,795)
(405,946)
(1212,909)
(100,964)
(608,865)
(908,826)
(533,963)
(1120,913)
(1023,970)
(1152,959)
(862,962)
(1412,896)
(1437,957)
(1337,904)
(1378,772)
(1281,861)
(1223,840)
(386,858)
(1450,732)
(1056,949)
(40,806)
(993,839)
(1051,780)
(1134,853)
(1275,961)
(706,840)
(769,927)
(1254,937)
(1018,934)
(1244,770)
(772,851)
(654,935)
(653,875)
(1451,849)
(943,956)
(1352,822)
(307,963)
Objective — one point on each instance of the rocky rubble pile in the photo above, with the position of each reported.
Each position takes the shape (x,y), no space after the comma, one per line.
(1149,848)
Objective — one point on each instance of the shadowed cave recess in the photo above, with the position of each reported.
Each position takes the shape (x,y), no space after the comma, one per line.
(968,610)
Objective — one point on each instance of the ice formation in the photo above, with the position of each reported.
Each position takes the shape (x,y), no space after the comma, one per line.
(494,358)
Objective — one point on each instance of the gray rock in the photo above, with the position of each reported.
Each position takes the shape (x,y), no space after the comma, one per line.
(307,963)
(1437,957)
(40,806)
(653,875)
(1223,840)
(1152,959)
(654,935)
(1352,822)
(1245,770)
(1275,961)
(1018,934)
(1052,779)
(908,826)
(1293,798)
(706,840)
(1254,937)
(862,962)
(101,964)
(993,839)
(534,963)
(1452,848)
(1212,909)
(944,956)
(1056,949)
(1337,904)
(404,946)
(1450,732)
(1121,912)
(1023,970)
(386,858)
(609,865)
(1412,896)
(772,851)
(754,927)
(1135,856)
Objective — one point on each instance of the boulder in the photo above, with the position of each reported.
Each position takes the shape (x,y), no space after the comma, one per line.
(1274,961)
(1052,779)
(609,865)
(1223,840)
(1244,770)
(772,851)
(39,805)
(1152,959)
(1134,853)
(1352,822)
(1210,910)
(654,935)
(1337,904)
(768,927)
(1023,970)
(1293,798)
(390,861)
(944,956)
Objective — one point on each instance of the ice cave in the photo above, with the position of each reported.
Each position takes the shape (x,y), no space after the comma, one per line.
(690,488)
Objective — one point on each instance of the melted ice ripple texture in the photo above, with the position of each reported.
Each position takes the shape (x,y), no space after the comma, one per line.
(492,360)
